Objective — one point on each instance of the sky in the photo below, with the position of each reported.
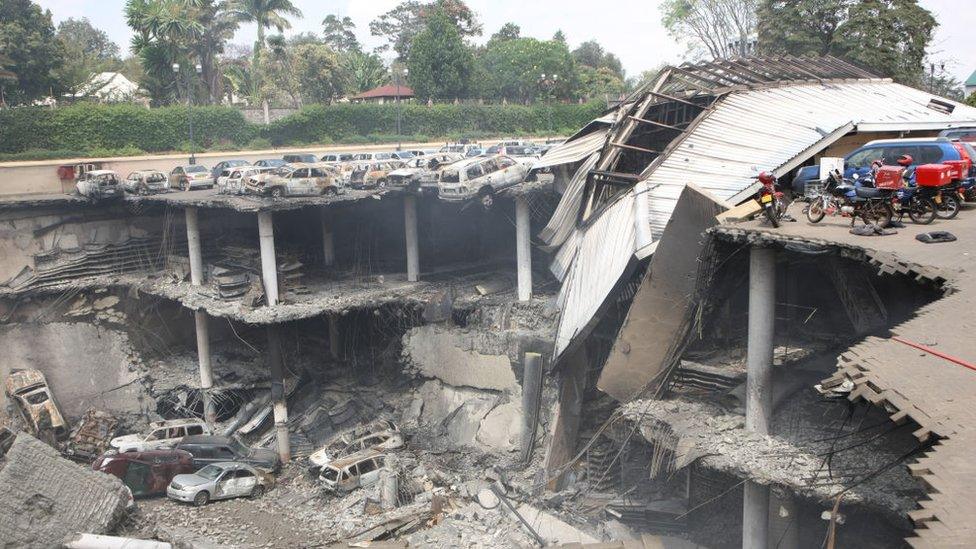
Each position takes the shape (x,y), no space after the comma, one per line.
(637,38)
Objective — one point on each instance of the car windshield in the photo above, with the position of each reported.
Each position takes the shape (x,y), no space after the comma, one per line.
(520,151)
(195,169)
(330,474)
(237,162)
(210,472)
(405,155)
(39,397)
(474,152)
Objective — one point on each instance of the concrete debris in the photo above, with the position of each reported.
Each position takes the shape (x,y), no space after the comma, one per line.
(44,498)
(91,436)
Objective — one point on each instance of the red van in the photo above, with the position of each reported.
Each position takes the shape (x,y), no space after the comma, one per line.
(145,473)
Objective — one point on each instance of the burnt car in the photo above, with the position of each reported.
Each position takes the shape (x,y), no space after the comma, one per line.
(372,174)
(146,182)
(381,434)
(420,174)
(28,388)
(99,184)
(214,449)
(146,473)
(293,180)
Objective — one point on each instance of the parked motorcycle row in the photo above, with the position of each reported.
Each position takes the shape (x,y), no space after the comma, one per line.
(923,193)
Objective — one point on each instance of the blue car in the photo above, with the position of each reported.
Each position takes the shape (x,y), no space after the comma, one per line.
(924,150)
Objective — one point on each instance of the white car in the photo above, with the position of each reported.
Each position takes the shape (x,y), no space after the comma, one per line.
(189,177)
(161,434)
(231,180)
(146,182)
(222,480)
(480,177)
(99,184)
(356,471)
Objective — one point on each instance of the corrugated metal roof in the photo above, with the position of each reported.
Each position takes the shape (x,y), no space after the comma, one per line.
(604,251)
(563,220)
(574,151)
(754,130)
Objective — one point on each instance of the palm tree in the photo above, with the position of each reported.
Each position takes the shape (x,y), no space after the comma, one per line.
(266,14)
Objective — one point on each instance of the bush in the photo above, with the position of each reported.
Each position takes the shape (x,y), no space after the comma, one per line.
(88,129)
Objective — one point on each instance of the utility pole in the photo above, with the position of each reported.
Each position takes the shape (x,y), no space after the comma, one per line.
(189,104)
(396,82)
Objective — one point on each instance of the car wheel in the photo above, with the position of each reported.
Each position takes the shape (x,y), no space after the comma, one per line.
(257,492)
(143,190)
(183,186)
(487,198)
(381,184)
(332,191)
(276,192)
(202,498)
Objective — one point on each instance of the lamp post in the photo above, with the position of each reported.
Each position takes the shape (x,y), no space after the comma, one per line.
(396,82)
(549,85)
(189,110)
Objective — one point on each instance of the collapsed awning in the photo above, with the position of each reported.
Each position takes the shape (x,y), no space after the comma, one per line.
(574,151)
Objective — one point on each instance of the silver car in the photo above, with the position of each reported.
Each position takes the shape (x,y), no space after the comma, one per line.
(222,480)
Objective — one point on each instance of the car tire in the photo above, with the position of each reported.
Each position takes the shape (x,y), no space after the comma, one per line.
(257,492)
(331,191)
(202,498)
(277,192)
(381,184)
(184,186)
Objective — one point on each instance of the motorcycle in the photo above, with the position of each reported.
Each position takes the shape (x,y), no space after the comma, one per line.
(770,199)
(854,197)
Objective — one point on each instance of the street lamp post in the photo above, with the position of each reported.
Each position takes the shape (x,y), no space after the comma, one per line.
(189,110)
(396,82)
(549,85)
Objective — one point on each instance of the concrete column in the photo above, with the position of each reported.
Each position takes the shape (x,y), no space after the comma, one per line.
(328,243)
(410,230)
(759,363)
(523,248)
(278,396)
(206,367)
(641,216)
(531,395)
(193,246)
(269,267)
(388,488)
(759,354)
(335,343)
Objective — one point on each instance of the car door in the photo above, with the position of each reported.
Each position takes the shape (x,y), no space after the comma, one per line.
(512,170)
(369,471)
(174,176)
(226,485)
(245,483)
(475,176)
(156,439)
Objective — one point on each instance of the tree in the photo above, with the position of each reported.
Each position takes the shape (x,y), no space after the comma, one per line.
(592,54)
(89,50)
(440,63)
(362,71)
(277,79)
(888,37)
(559,37)
(718,28)
(508,31)
(340,34)
(32,53)
(513,70)
(971,100)
(265,14)
(599,83)
(403,23)
(319,76)
(939,82)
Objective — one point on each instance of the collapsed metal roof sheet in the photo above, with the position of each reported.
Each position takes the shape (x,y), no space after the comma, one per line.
(754,130)
(718,135)
(574,151)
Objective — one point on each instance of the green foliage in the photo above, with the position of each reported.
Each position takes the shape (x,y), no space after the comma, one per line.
(318,73)
(362,71)
(31,51)
(971,100)
(89,50)
(598,83)
(513,69)
(401,25)
(440,63)
(86,126)
(340,34)
(592,54)
(344,122)
(888,37)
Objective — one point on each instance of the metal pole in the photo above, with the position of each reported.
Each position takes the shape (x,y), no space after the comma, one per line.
(523,248)
(759,362)
(206,367)
(410,231)
(396,79)
(193,247)
(269,269)
(278,396)
(531,395)
(189,117)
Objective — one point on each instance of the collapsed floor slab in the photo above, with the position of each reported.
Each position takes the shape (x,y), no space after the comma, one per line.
(44,497)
